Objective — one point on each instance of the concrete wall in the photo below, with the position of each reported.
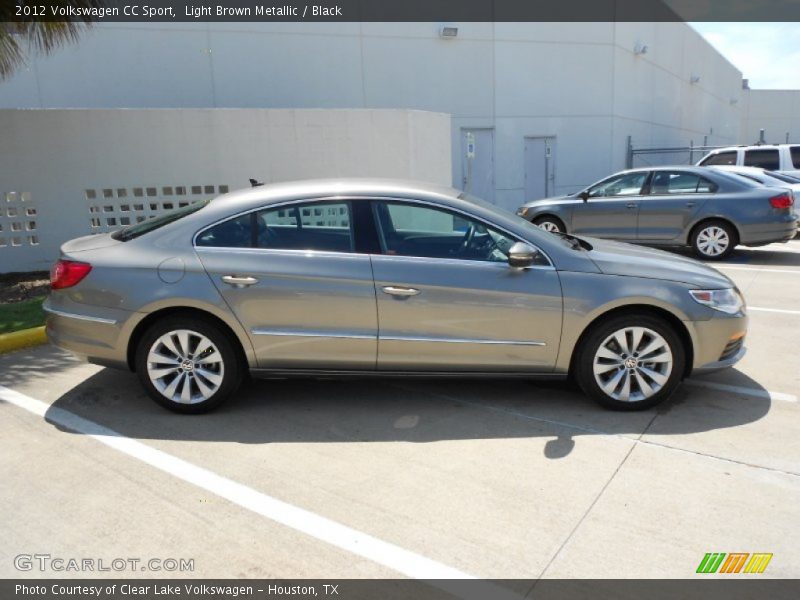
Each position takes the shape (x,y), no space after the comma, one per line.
(579,82)
(777,112)
(66,173)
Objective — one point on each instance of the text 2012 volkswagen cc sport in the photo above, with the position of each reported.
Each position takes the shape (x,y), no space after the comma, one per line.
(366,277)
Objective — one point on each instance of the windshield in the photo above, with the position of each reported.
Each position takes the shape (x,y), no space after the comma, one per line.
(139,229)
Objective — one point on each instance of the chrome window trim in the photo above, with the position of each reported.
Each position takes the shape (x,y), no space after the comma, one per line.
(387,338)
(283,203)
(70,315)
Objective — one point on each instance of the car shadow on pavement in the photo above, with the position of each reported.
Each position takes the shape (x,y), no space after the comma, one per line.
(402,410)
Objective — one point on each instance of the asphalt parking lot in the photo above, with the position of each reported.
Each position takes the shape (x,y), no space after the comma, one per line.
(495,479)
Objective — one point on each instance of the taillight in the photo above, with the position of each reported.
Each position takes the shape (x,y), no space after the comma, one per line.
(782,201)
(66,273)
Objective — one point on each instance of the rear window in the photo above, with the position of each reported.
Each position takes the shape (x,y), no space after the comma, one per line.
(721,158)
(795,152)
(782,177)
(764,159)
(134,231)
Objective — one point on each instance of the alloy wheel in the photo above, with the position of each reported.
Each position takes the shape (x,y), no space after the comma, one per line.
(185,366)
(713,241)
(632,364)
(549,226)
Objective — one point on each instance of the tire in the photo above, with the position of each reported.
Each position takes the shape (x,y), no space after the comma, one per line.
(175,340)
(600,356)
(551,224)
(714,240)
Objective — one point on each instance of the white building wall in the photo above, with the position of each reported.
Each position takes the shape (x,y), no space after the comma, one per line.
(579,82)
(91,171)
(777,112)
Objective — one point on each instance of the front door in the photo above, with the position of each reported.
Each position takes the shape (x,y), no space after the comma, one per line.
(291,276)
(611,209)
(673,199)
(539,167)
(477,162)
(447,299)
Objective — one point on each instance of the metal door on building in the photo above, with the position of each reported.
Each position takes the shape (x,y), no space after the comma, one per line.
(540,173)
(477,162)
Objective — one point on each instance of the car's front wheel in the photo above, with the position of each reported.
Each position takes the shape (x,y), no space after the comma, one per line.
(187,365)
(551,224)
(630,362)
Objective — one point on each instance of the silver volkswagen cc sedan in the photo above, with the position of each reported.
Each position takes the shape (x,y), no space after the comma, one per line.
(373,277)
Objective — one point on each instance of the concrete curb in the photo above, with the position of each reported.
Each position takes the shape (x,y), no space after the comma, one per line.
(17,340)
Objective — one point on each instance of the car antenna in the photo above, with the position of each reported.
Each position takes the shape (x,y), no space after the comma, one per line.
(255,182)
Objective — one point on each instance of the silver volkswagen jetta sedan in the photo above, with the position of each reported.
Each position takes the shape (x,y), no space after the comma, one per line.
(707,209)
(371,277)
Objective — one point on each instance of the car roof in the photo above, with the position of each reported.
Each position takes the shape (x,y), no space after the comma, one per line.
(752,147)
(687,168)
(351,187)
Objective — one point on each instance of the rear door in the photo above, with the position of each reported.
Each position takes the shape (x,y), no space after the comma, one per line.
(448,300)
(672,200)
(292,277)
(612,207)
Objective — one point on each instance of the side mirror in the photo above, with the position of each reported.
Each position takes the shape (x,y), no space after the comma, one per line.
(521,255)
(584,195)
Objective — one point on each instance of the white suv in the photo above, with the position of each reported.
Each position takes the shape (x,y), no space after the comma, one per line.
(771,157)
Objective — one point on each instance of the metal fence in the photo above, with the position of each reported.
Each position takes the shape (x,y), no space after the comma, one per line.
(676,155)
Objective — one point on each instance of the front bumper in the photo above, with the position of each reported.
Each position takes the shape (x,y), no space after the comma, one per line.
(718,342)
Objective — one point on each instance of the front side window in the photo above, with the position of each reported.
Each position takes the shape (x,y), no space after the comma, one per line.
(423,231)
(679,182)
(323,226)
(764,159)
(720,158)
(628,184)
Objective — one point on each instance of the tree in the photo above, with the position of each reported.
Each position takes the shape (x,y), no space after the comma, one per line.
(21,35)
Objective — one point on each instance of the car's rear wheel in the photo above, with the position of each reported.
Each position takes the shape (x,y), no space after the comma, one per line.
(187,365)
(550,224)
(630,362)
(714,240)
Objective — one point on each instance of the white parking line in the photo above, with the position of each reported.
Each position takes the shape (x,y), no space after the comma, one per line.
(384,553)
(713,385)
(784,311)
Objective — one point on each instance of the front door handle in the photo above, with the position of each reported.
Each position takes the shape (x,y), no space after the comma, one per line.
(239,282)
(689,204)
(394,290)
(631,205)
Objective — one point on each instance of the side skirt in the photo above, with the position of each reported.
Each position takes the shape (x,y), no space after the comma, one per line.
(322,373)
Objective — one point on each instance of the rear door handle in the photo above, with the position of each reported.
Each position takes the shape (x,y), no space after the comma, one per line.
(237,281)
(394,290)
(631,205)
(690,204)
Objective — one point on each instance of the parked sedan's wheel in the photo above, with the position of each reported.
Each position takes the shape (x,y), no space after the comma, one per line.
(630,362)
(550,224)
(714,240)
(187,365)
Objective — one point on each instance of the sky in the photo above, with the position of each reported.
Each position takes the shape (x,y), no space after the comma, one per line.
(768,54)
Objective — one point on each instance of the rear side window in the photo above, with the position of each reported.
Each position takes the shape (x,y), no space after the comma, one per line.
(678,182)
(795,152)
(764,159)
(314,226)
(720,158)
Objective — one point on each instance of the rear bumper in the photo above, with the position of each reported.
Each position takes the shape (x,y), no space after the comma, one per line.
(765,233)
(94,337)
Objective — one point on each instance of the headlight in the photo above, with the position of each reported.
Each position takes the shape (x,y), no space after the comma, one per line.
(729,301)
